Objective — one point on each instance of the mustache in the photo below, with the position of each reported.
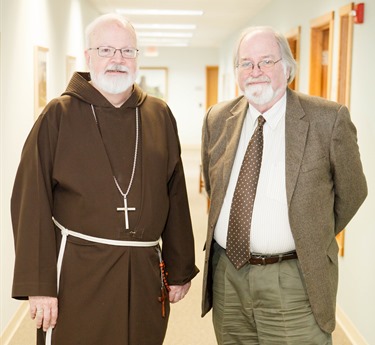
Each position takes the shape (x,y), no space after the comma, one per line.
(262,79)
(117,68)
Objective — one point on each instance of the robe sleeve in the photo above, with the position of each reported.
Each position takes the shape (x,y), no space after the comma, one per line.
(31,211)
(178,240)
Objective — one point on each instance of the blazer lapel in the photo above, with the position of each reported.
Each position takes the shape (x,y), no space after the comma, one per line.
(232,136)
(233,133)
(296,130)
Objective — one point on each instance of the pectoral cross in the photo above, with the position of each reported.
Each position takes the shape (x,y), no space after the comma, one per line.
(126,210)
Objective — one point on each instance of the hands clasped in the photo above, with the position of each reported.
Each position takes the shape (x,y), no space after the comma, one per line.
(44,310)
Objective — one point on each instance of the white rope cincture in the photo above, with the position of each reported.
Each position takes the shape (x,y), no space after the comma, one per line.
(66,232)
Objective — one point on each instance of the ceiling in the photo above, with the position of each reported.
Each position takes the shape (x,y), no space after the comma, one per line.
(220,19)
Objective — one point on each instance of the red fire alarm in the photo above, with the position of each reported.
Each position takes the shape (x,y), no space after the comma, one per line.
(359,13)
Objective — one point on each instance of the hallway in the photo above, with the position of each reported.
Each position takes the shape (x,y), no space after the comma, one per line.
(186,327)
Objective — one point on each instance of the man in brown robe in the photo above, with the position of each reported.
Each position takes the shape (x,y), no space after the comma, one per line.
(104,161)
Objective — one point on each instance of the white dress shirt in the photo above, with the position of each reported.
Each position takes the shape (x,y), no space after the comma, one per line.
(270,229)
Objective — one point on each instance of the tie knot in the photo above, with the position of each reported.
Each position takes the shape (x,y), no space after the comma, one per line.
(261,120)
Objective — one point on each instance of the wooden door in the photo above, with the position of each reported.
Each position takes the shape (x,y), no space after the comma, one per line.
(345,54)
(212,81)
(344,75)
(212,87)
(293,38)
(321,55)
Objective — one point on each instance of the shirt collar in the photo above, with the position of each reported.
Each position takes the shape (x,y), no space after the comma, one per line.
(272,116)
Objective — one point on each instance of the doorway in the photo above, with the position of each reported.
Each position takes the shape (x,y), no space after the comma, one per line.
(212,81)
(294,37)
(344,76)
(321,55)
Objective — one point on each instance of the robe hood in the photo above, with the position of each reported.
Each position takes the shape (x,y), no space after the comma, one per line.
(81,88)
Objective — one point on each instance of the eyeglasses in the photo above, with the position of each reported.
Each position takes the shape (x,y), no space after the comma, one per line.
(107,52)
(262,65)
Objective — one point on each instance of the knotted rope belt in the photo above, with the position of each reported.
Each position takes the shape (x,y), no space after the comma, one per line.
(66,232)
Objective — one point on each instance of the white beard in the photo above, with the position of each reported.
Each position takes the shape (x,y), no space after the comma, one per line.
(260,94)
(113,84)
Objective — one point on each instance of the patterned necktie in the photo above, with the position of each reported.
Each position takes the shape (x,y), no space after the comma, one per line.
(238,238)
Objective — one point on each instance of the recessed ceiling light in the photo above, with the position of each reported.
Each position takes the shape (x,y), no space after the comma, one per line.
(165,26)
(163,42)
(165,34)
(162,39)
(158,12)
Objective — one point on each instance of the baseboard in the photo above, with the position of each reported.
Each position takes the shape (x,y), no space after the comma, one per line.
(14,323)
(349,329)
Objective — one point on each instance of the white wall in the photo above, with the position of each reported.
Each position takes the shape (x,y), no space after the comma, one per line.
(186,86)
(357,287)
(356,297)
(25,24)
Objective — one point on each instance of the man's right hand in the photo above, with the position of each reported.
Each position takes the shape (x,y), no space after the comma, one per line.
(44,310)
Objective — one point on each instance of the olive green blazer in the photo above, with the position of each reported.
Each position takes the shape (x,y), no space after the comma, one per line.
(325,186)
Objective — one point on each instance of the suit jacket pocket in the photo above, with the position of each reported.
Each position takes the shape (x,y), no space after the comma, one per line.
(321,162)
(316,178)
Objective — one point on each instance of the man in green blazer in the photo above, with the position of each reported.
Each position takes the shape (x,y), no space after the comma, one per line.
(310,185)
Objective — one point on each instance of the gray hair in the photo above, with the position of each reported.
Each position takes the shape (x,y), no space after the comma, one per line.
(286,54)
(107,18)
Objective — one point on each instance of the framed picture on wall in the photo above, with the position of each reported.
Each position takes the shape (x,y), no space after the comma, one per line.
(70,67)
(40,79)
(154,81)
